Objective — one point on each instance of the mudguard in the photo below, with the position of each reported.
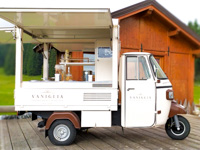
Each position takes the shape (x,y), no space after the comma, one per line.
(176,109)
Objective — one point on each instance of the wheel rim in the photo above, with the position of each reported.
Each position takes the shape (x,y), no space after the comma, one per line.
(178,132)
(61,132)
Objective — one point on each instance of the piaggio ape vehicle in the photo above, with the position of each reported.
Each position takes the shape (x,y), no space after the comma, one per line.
(66,105)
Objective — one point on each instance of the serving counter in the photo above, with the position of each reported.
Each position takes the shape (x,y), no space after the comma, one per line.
(65,84)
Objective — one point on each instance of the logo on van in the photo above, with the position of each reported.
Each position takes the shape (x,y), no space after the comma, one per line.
(141,97)
(47,95)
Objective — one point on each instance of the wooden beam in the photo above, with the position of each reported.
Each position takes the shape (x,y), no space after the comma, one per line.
(148,12)
(135,12)
(197,105)
(173,33)
(196,51)
(175,25)
(4,109)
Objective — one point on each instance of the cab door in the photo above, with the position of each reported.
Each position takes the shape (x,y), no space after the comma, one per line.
(139,93)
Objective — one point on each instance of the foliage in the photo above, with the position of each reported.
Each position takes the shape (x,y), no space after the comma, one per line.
(196,28)
(197,69)
(3,51)
(9,64)
(52,62)
(34,63)
(196,92)
(25,57)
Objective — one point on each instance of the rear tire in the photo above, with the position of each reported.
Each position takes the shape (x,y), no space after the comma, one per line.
(172,131)
(62,132)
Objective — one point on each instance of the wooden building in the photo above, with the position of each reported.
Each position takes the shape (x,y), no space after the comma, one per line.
(149,27)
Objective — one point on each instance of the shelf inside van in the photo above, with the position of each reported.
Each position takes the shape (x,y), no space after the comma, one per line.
(78,63)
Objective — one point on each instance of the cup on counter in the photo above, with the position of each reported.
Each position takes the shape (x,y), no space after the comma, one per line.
(86,74)
(90,78)
(57,77)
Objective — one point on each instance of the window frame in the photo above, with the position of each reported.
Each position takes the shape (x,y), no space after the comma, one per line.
(137,57)
(143,68)
(153,69)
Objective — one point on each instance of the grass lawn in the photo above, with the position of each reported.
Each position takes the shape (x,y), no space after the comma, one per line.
(7,84)
(197,92)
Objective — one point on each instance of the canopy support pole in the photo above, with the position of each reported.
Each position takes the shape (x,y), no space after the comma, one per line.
(115,50)
(19,59)
(46,62)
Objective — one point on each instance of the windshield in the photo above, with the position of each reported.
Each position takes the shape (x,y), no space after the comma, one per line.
(159,73)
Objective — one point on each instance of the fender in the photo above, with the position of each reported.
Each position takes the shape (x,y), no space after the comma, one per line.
(176,109)
(64,115)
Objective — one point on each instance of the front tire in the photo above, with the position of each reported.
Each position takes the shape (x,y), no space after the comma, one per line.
(172,131)
(62,132)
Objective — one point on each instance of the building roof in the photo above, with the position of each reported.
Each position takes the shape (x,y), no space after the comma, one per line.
(145,5)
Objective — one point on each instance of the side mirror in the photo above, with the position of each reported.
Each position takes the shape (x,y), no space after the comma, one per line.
(155,69)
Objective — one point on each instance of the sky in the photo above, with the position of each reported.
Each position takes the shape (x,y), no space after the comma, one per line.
(184,10)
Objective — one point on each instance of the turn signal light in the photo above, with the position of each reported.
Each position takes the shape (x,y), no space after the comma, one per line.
(169,94)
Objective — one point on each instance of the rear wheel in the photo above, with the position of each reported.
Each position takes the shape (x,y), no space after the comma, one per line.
(173,132)
(62,132)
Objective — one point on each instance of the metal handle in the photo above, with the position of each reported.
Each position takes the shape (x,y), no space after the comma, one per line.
(130,89)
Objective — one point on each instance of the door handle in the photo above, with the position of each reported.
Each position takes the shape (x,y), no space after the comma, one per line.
(130,89)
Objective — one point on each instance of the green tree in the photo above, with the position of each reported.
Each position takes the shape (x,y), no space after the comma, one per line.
(9,64)
(25,57)
(196,28)
(3,52)
(34,63)
(52,62)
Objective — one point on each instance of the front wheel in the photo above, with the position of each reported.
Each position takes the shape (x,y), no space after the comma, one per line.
(173,132)
(62,132)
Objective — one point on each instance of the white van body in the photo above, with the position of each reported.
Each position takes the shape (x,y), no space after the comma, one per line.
(146,92)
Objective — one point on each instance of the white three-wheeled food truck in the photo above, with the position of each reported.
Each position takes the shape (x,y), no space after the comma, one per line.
(65,105)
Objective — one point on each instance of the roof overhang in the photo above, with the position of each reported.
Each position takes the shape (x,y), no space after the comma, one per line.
(196,53)
(153,6)
(76,28)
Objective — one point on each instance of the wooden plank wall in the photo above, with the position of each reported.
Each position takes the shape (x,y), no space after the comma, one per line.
(153,33)
(76,71)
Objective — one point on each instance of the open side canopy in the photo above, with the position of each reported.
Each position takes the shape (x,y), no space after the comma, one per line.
(74,29)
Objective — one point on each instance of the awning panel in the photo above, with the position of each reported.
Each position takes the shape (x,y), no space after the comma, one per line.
(7,36)
(73,28)
(55,23)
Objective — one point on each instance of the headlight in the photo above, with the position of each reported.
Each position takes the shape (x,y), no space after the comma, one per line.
(169,95)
